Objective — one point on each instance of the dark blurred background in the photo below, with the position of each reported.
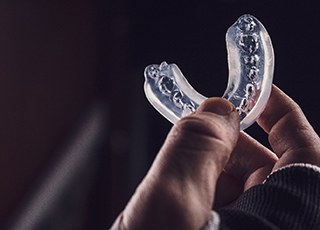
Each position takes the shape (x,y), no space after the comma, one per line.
(76,131)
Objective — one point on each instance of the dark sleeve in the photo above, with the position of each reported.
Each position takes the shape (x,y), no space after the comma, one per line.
(288,200)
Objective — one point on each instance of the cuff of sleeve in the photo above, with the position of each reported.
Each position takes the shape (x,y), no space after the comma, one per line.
(289,198)
(312,167)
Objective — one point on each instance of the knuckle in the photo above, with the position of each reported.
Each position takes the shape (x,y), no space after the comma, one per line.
(206,132)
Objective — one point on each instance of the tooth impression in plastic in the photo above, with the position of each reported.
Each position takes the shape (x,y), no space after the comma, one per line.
(251,65)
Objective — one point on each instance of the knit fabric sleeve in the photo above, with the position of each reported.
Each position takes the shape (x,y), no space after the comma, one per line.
(289,199)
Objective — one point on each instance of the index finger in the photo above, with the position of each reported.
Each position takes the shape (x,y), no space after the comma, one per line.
(290,134)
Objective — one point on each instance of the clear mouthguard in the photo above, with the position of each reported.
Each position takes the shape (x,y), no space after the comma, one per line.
(251,65)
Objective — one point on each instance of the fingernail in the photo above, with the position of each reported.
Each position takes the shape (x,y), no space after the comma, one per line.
(219,106)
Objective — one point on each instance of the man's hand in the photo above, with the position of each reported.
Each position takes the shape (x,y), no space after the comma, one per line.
(178,191)
(206,161)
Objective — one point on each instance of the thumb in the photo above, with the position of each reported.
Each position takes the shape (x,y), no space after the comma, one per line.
(203,141)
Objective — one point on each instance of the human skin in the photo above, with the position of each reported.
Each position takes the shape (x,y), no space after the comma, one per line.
(206,161)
